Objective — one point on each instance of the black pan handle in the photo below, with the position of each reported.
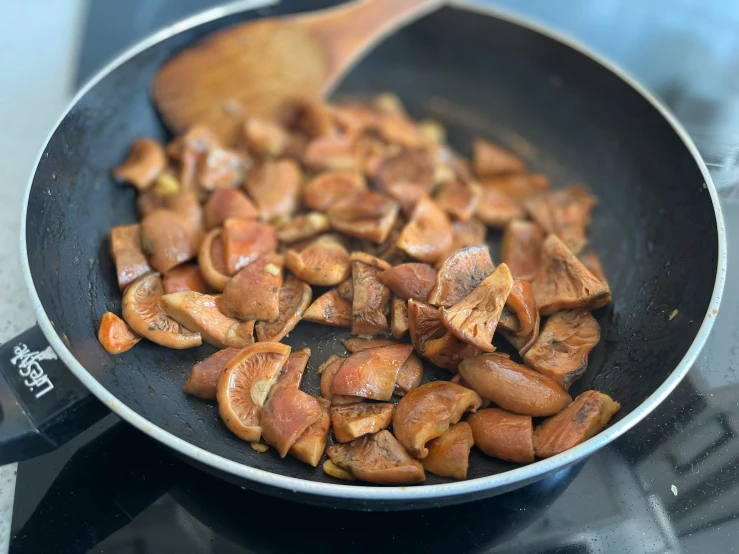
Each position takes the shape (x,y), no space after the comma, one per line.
(42,404)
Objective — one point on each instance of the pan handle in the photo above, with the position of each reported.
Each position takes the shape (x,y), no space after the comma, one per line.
(42,404)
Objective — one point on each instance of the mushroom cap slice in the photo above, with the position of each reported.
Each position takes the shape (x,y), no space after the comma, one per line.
(125,248)
(407,195)
(203,379)
(428,234)
(495,209)
(295,297)
(185,277)
(245,241)
(398,317)
(563,282)
(591,261)
(141,310)
(449,455)
(514,387)
(325,189)
(458,199)
(410,165)
(522,304)
(169,239)
(212,260)
(332,153)
(371,373)
(275,188)
(115,335)
(201,313)
(460,274)
(356,344)
(324,262)
(364,215)
(244,385)
(303,227)
(411,280)
(377,458)
(427,412)
(254,292)
(564,212)
(286,415)
(467,233)
(292,372)
(490,159)
(561,351)
(352,421)
(370,298)
(265,137)
(327,371)
(330,309)
(222,168)
(144,163)
(584,418)
(518,186)
(520,248)
(503,435)
(311,444)
(228,203)
(410,374)
(475,317)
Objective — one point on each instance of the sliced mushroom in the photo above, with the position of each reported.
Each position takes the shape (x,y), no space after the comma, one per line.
(244,385)
(189,150)
(356,344)
(427,412)
(561,352)
(356,420)
(185,277)
(308,117)
(325,189)
(332,154)
(346,290)
(460,274)
(141,310)
(410,373)
(295,297)
(514,387)
(490,159)
(475,318)
(200,312)
(398,317)
(521,327)
(254,292)
(412,280)
(244,241)
(410,165)
(212,260)
(364,215)
(324,262)
(503,435)
(521,248)
(449,455)
(371,373)
(428,234)
(265,137)
(353,118)
(328,371)
(115,335)
(203,380)
(467,233)
(125,248)
(275,188)
(564,212)
(303,227)
(286,415)
(495,209)
(222,168)
(371,297)
(458,199)
(563,282)
(584,418)
(225,204)
(291,373)
(168,239)
(310,446)
(407,195)
(145,161)
(377,458)
(592,262)
(330,309)
(518,186)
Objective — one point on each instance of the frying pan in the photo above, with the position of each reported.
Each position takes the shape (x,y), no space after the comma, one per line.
(563,110)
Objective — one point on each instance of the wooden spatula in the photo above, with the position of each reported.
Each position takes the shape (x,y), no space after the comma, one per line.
(251,68)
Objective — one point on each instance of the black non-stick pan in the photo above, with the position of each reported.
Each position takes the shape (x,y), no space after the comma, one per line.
(566,112)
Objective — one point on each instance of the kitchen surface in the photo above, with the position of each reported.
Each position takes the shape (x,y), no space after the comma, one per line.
(669,485)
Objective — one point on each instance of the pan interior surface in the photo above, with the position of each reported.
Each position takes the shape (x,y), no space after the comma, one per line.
(563,113)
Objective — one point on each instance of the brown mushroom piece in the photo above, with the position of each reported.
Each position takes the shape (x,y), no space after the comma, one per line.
(411,280)
(185,277)
(371,373)
(244,385)
(200,312)
(189,149)
(427,412)
(583,419)
(475,318)
(222,168)
(410,374)
(520,320)
(291,373)
(328,371)
(377,458)
(564,212)
(286,415)
(332,154)
(141,310)
(125,248)
(244,241)
(517,186)
(490,159)
(371,298)
(496,209)
(364,215)
(275,188)
(265,137)
(407,195)
(325,189)
(307,116)
(352,421)
(324,262)
(503,435)
(458,199)
(223,204)
(168,239)
(295,297)
(460,274)
(410,165)
(521,248)
(563,282)
(311,444)
(514,387)
(592,262)
(254,292)
(467,233)
(115,335)
(203,379)
(398,317)
(561,351)
(449,455)
(144,163)
(212,260)
(428,234)
(330,309)
(303,227)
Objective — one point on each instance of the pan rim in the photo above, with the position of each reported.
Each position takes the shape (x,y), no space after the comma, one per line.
(507,480)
